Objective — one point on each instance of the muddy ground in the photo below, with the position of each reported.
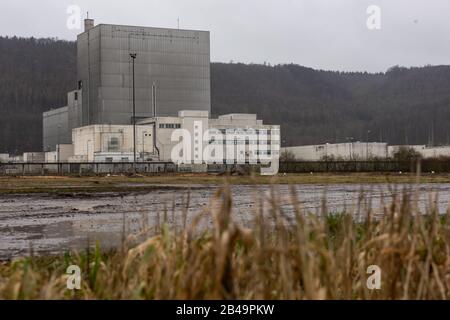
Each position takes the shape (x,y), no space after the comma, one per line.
(52,223)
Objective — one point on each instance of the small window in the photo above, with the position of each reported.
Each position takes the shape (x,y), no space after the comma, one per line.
(80,85)
(161,125)
(113,144)
(108,159)
(76,96)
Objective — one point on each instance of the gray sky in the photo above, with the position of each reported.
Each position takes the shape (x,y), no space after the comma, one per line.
(322,34)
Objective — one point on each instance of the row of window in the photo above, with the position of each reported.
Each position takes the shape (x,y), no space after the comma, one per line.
(240,142)
(169,126)
(255,131)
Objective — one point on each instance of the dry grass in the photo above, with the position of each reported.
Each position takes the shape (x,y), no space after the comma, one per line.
(282,256)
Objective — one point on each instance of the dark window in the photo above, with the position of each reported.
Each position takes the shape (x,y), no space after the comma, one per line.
(80,85)
(76,96)
(113,144)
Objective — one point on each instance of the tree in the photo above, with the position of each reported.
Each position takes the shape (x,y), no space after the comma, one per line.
(406,154)
(287,156)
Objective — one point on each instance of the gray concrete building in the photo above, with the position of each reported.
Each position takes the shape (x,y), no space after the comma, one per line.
(172,73)
(58,123)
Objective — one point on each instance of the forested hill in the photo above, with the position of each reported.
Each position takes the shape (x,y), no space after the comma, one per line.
(399,106)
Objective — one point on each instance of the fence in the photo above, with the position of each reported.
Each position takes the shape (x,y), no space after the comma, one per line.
(426,165)
(11,169)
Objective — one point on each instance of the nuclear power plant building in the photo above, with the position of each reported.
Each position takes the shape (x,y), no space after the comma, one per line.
(171,74)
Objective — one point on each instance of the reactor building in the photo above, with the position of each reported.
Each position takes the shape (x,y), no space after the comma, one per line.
(171,74)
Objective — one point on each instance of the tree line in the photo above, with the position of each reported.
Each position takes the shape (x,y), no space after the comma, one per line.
(399,106)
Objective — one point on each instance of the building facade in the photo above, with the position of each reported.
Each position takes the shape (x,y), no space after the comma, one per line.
(171,73)
(157,139)
(340,151)
(423,150)
(102,141)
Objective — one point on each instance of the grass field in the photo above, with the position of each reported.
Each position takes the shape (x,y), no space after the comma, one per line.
(280,257)
(54,184)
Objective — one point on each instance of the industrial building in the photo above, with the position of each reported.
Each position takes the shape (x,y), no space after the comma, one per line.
(423,150)
(136,87)
(155,138)
(361,151)
(340,151)
(171,72)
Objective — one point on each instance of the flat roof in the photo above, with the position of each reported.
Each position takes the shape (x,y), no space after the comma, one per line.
(145,27)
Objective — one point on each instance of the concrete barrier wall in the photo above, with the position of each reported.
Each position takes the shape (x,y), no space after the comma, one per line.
(13,169)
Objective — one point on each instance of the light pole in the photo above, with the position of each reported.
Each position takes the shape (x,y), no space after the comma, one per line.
(87,150)
(133,57)
(144,133)
(57,145)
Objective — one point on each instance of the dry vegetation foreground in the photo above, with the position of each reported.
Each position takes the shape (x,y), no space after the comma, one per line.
(280,257)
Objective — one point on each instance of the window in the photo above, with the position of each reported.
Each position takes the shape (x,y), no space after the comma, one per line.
(169,126)
(108,159)
(113,144)
(80,85)
(76,96)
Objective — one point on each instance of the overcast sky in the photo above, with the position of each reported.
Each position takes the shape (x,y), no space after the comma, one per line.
(322,34)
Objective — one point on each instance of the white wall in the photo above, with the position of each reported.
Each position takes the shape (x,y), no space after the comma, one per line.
(4,157)
(343,151)
(34,157)
(426,152)
(110,138)
(51,156)
(96,139)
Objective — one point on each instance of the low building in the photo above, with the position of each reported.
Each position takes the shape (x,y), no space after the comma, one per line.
(157,139)
(340,151)
(237,138)
(51,157)
(62,154)
(425,151)
(93,141)
(4,157)
(58,123)
(34,157)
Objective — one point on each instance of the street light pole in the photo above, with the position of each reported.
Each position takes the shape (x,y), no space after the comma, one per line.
(133,57)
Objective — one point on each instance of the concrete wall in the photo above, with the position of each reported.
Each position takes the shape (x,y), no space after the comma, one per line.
(56,128)
(4,157)
(426,152)
(62,154)
(58,123)
(174,62)
(110,138)
(340,151)
(31,157)
(51,156)
(197,123)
